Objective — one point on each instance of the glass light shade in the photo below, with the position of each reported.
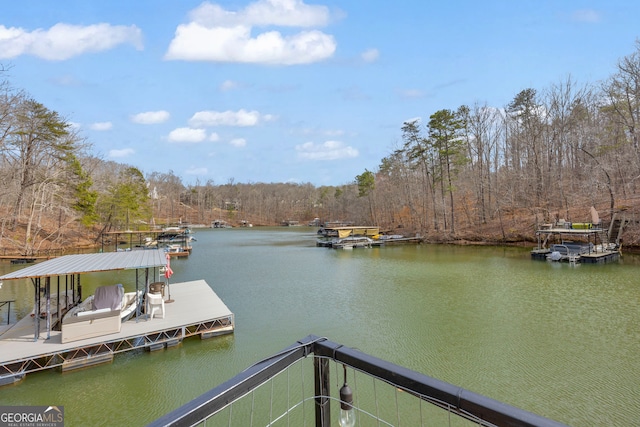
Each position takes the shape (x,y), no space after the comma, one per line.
(347,413)
(347,418)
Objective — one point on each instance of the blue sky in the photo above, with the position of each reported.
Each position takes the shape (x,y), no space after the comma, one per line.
(290,90)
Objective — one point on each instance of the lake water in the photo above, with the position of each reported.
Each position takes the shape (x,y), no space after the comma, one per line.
(559,340)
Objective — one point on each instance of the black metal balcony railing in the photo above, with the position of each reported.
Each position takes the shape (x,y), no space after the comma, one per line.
(292,389)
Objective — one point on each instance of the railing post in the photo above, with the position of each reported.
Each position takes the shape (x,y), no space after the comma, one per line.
(321,380)
(8,304)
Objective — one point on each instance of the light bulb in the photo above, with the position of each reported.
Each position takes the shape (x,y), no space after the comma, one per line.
(347,413)
(347,418)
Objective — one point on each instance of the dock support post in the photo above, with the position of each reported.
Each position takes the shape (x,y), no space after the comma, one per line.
(36,308)
(47,287)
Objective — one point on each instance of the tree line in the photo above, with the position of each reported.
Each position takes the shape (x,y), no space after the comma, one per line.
(546,153)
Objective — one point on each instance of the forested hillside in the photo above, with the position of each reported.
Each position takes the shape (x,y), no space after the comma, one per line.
(476,173)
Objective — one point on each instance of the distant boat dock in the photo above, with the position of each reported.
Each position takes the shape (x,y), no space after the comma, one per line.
(339,236)
(585,243)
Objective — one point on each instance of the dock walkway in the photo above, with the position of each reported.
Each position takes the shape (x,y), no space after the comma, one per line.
(195,310)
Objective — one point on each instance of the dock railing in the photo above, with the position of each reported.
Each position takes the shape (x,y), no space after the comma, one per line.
(7,303)
(298,385)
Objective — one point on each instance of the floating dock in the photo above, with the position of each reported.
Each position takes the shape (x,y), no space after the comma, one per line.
(588,258)
(194,310)
(587,244)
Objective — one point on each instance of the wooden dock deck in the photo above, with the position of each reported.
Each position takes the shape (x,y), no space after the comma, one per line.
(195,310)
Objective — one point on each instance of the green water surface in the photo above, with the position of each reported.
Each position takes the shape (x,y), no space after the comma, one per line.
(559,340)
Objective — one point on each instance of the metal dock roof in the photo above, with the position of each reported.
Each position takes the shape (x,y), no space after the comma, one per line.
(89,263)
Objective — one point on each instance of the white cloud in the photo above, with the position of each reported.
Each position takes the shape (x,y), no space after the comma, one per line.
(586,15)
(64,41)
(215,34)
(196,171)
(197,43)
(370,55)
(240,118)
(238,142)
(228,85)
(292,13)
(214,137)
(101,126)
(329,150)
(188,135)
(151,117)
(125,152)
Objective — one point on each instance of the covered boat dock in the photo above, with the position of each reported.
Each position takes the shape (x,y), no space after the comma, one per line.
(350,231)
(328,235)
(585,243)
(31,345)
